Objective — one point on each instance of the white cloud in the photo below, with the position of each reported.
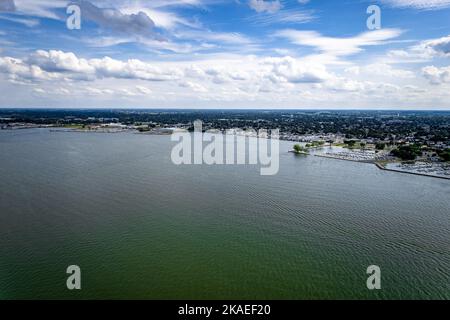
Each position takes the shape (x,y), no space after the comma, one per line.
(423,51)
(26,22)
(226,80)
(339,46)
(437,75)
(162,19)
(39,91)
(18,70)
(66,65)
(194,86)
(99,91)
(285,16)
(132,69)
(143,90)
(269,6)
(419,4)
(59,61)
(220,37)
(439,46)
(288,69)
(293,16)
(354,70)
(384,70)
(40,8)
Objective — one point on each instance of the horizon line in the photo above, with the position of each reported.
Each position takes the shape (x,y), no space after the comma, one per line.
(214,109)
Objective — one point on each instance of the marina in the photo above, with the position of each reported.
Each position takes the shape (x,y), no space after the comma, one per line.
(436,170)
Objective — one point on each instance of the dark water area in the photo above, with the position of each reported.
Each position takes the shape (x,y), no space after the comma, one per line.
(141,227)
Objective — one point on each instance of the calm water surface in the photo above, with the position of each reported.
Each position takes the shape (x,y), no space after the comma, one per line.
(141,227)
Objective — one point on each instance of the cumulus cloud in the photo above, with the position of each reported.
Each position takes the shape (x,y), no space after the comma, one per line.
(225,79)
(361,88)
(439,46)
(421,52)
(288,69)
(59,61)
(193,86)
(412,55)
(66,65)
(379,69)
(437,75)
(265,5)
(132,69)
(269,72)
(18,70)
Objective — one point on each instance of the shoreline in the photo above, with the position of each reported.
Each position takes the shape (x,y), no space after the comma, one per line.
(381,167)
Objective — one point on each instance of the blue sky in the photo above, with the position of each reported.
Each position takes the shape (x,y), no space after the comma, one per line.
(225,54)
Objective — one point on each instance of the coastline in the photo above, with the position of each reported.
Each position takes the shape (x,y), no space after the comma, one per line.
(380,166)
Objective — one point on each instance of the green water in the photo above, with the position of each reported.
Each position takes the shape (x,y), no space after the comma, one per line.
(141,227)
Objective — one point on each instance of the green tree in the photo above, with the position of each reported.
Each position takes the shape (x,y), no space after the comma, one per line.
(409,152)
(445,155)
(298,148)
(350,143)
(380,146)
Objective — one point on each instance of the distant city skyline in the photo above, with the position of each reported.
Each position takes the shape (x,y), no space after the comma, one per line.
(255,54)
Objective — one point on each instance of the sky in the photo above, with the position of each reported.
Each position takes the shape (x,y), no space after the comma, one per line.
(268,54)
